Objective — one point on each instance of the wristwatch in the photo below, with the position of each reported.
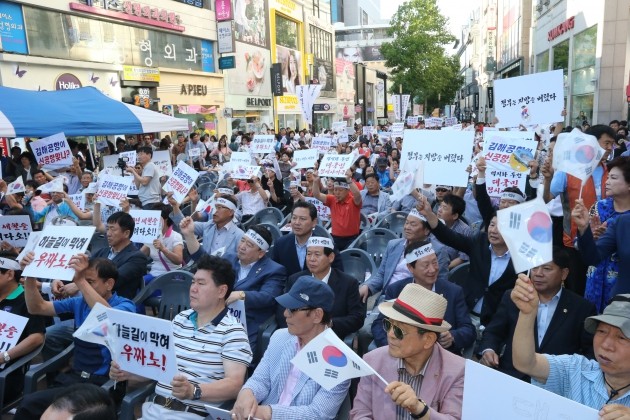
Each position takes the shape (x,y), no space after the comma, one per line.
(242,295)
(196,392)
(6,357)
(421,414)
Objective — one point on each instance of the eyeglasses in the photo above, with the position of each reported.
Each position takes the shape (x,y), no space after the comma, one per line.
(293,311)
(398,333)
(441,189)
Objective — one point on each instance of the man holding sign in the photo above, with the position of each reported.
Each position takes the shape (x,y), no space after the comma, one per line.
(95,280)
(211,348)
(148,182)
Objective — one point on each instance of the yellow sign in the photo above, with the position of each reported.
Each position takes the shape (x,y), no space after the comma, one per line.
(287,104)
(390,107)
(141,74)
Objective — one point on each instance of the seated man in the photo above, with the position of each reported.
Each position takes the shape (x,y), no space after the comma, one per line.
(450,212)
(95,280)
(425,381)
(348,312)
(81,401)
(602,383)
(423,265)
(32,336)
(374,200)
(259,279)
(559,320)
(279,390)
(210,346)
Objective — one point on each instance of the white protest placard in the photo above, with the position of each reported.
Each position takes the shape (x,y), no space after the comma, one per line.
(144,345)
(335,166)
(11,328)
(322,144)
(237,309)
(246,172)
(52,152)
(323,212)
(511,398)
(305,158)
(181,181)
(450,121)
(397,129)
(446,155)
(56,245)
(263,143)
(507,155)
(31,243)
(532,99)
(341,137)
(15,230)
(368,130)
(339,126)
(240,159)
(78,200)
(162,159)
(194,152)
(133,189)
(112,189)
(147,227)
(130,157)
(412,121)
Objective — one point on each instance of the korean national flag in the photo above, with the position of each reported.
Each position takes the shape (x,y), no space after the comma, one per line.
(16,186)
(329,362)
(526,229)
(577,154)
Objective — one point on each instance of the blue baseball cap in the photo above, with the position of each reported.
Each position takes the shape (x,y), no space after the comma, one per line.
(307,291)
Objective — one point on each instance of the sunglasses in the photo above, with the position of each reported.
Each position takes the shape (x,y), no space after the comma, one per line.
(293,311)
(441,189)
(398,333)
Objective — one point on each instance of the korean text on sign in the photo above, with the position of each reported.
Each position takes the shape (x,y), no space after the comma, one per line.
(15,230)
(11,327)
(246,172)
(335,165)
(143,345)
(112,189)
(181,181)
(507,157)
(56,245)
(321,144)
(263,143)
(147,226)
(323,212)
(305,158)
(53,152)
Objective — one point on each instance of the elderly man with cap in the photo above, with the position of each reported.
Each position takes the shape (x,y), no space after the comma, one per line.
(348,312)
(425,380)
(423,265)
(259,279)
(394,268)
(345,208)
(279,390)
(219,236)
(57,206)
(603,383)
(440,192)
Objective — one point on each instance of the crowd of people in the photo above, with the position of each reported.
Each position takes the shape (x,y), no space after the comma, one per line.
(563,326)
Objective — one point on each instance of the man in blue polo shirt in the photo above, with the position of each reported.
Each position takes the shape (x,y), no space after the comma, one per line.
(95,280)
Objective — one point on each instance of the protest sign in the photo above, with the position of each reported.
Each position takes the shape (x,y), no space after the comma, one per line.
(162,159)
(412,121)
(56,245)
(11,328)
(368,130)
(237,309)
(16,186)
(52,152)
(446,155)
(507,155)
(512,398)
(397,129)
(305,158)
(532,99)
(335,166)
(240,159)
(112,189)
(246,172)
(577,154)
(450,121)
(130,157)
(341,137)
(181,181)
(143,345)
(526,229)
(31,243)
(78,200)
(339,126)
(263,143)
(323,212)
(147,227)
(322,144)
(194,152)
(15,230)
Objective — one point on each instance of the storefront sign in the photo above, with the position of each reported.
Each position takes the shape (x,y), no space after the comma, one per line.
(225,37)
(565,26)
(132,11)
(288,104)
(227,62)
(276,80)
(259,102)
(141,74)
(67,81)
(195,90)
(287,7)
(223,10)
(12,32)
(196,3)
(207,56)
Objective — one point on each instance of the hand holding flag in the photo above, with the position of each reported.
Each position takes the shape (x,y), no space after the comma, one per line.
(577,154)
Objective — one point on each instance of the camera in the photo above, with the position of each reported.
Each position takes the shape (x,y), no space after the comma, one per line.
(122,162)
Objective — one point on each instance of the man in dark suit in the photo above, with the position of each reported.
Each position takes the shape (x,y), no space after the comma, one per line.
(259,280)
(559,325)
(290,249)
(348,312)
(423,264)
(491,268)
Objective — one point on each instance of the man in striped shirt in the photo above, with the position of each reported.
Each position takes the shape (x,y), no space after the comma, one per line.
(211,347)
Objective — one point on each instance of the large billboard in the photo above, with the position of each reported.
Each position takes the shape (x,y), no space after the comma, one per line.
(360,54)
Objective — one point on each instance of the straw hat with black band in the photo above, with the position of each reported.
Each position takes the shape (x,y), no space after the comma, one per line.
(419,307)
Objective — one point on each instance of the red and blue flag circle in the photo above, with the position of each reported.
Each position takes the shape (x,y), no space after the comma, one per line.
(335,357)
(539,227)
(585,154)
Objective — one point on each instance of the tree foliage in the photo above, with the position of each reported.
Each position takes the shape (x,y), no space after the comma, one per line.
(417,57)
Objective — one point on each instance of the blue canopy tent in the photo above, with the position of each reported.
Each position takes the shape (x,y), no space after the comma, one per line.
(77,112)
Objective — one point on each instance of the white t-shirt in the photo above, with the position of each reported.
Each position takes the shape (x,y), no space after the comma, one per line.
(251,203)
(170,242)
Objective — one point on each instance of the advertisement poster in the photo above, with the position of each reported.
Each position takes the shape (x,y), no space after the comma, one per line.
(291,68)
(251,76)
(250,19)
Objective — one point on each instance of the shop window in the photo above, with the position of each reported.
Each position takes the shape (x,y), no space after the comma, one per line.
(542,62)
(583,76)
(286,32)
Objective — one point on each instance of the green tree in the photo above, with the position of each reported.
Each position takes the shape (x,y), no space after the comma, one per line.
(417,57)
